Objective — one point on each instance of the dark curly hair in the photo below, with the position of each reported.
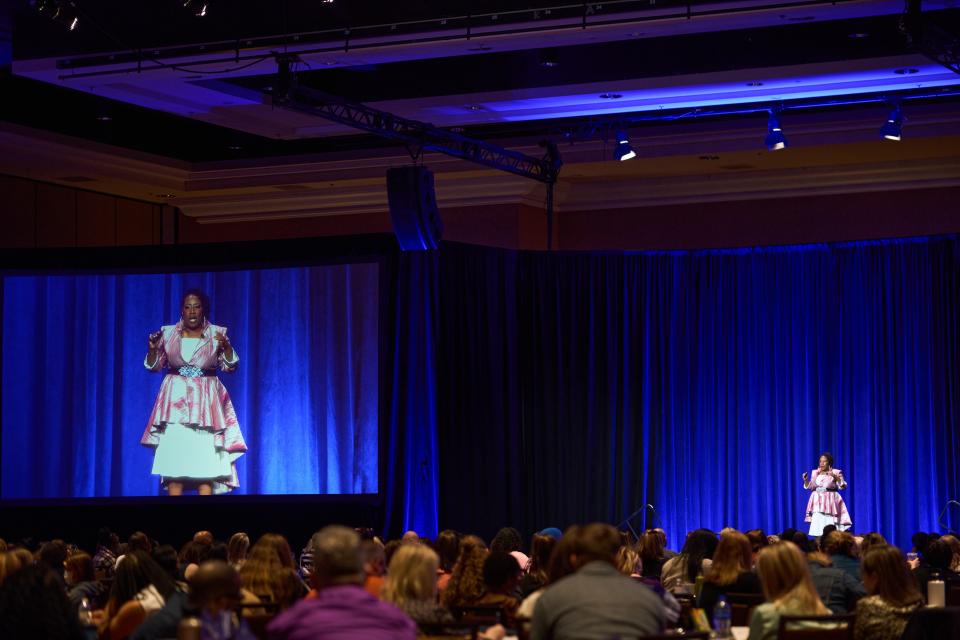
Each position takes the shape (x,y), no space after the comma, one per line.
(136,571)
(33,605)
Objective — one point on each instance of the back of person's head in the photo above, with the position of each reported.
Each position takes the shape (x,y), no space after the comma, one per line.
(203,537)
(628,560)
(275,544)
(217,551)
(561,559)
(373,557)
(541,547)
(215,587)
(107,538)
(785,577)
(885,573)
(33,605)
(53,554)
(839,543)
(136,571)
(872,539)
(920,540)
(500,572)
(336,556)
(597,541)
(700,545)
(390,548)
(237,547)
(938,554)
(787,534)
(11,561)
(733,556)
(3,545)
(410,537)
(466,580)
(166,556)
(507,539)
(650,546)
(803,542)
(828,529)
(139,541)
(78,568)
(447,546)
(758,540)
(954,543)
(412,576)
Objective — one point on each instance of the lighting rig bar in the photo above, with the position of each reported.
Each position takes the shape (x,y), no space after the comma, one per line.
(418,136)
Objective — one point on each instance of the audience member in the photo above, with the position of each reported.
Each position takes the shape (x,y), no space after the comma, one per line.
(680,573)
(466,583)
(936,564)
(447,546)
(105,556)
(839,545)
(954,543)
(558,566)
(374,566)
(140,589)
(652,556)
(541,546)
(78,576)
(501,575)
(139,541)
(837,590)
(730,571)
(237,548)
(893,598)
(758,540)
(411,585)
(33,605)
(53,555)
(787,587)
(596,601)
(342,608)
(269,573)
(872,539)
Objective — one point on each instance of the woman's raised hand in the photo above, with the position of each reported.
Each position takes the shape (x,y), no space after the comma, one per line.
(153,341)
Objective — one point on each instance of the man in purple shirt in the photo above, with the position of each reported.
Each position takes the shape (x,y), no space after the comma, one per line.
(342,609)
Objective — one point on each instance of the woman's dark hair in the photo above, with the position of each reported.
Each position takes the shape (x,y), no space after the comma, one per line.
(135,572)
(192,553)
(757,538)
(920,541)
(700,544)
(34,605)
(139,541)
(499,567)
(507,539)
(166,557)
(802,541)
(53,554)
(81,565)
(560,565)
(447,546)
(541,547)
(204,300)
(938,554)
(825,454)
(217,551)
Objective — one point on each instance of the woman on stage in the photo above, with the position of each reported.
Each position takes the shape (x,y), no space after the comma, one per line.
(193,427)
(825,505)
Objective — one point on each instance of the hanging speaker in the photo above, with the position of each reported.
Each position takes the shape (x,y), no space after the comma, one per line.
(413,208)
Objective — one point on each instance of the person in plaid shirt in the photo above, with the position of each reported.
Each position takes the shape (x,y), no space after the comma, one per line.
(105,559)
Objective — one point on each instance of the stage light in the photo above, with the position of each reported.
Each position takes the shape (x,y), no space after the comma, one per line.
(198,7)
(623,150)
(775,139)
(61,11)
(892,128)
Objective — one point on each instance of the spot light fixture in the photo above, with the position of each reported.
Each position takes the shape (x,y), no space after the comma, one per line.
(198,7)
(623,150)
(775,139)
(892,128)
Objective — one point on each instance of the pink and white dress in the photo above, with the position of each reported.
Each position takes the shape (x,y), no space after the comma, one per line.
(825,505)
(193,427)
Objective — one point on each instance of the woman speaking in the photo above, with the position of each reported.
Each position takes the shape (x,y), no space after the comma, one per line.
(825,505)
(193,427)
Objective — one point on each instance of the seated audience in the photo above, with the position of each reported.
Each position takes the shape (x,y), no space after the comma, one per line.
(596,601)
(140,589)
(730,571)
(558,566)
(501,575)
(139,541)
(342,609)
(374,566)
(893,598)
(105,556)
(840,546)
(53,555)
(872,539)
(954,543)
(78,575)
(447,546)
(237,548)
(509,540)
(788,588)
(758,540)
(837,590)
(936,562)
(33,605)
(541,546)
(466,583)
(269,573)
(411,584)
(680,573)
(652,555)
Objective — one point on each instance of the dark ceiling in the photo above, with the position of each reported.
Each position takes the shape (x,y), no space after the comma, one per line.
(112,26)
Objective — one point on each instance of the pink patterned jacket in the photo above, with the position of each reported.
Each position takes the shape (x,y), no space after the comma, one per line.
(201,402)
(825,497)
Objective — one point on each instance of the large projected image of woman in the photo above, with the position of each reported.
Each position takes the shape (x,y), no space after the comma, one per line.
(193,427)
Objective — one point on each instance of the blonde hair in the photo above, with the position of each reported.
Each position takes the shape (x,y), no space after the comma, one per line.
(628,561)
(268,571)
(786,579)
(734,555)
(412,576)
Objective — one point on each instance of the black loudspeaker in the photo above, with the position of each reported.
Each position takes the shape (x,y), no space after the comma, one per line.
(413,208)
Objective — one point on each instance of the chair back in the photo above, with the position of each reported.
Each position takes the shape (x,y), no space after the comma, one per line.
(953,594)
(742,606)
(933,623)
(833,627)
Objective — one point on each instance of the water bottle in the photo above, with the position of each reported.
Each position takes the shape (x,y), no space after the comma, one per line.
(722,616)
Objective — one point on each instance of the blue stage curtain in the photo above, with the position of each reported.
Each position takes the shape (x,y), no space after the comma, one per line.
(77,397)
(703,383)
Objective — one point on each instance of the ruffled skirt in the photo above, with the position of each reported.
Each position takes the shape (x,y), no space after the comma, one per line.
(191,454)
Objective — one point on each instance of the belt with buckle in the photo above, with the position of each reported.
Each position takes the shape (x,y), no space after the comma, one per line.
(189,371)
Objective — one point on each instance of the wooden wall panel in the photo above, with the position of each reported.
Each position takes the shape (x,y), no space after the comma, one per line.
(56,216)
(135,223)
(96,220)
(18,213)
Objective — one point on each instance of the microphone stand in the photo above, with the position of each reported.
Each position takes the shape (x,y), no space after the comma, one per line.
(940,517)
